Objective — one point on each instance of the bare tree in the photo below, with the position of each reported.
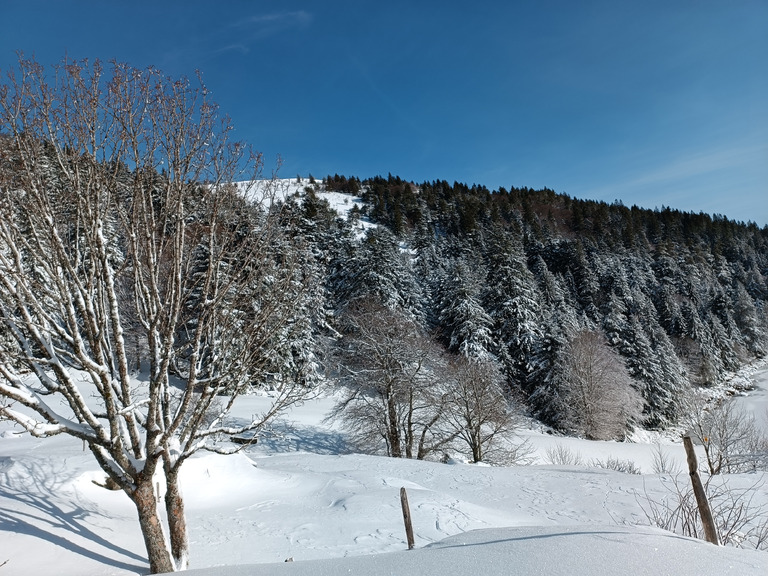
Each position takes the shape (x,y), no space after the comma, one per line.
(479,413)
(598,394)
(391,369)
(121,237)
(731,439)
(403,393)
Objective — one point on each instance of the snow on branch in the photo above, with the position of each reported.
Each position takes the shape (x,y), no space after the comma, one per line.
(41,429)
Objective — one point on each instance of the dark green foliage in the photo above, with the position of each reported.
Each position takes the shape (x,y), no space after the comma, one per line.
(681,297)
(338,183)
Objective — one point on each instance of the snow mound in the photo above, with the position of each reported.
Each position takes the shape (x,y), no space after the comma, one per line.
(551,551)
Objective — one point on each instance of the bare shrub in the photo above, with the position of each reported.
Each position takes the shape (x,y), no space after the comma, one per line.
(561,455)
(517,452)
(662,462)
(731,439)
(617,464)
(740,520)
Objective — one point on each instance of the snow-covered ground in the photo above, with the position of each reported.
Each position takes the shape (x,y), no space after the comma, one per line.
(301,494)
(280,189)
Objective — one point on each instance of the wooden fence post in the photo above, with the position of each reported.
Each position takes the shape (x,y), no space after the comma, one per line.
(710,530)
(407,517)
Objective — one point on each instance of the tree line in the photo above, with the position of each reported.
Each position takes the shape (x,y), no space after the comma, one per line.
(537,281)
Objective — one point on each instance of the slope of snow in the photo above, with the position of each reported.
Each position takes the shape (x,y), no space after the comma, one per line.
(268,190)
(546,551)
(300,494)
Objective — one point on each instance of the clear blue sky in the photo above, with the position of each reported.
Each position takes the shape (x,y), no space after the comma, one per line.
(650,102)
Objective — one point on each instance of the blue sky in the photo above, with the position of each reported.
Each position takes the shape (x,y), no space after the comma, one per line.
(650,102)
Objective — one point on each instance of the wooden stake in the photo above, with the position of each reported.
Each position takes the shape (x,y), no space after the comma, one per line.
(407,518)
(710,530)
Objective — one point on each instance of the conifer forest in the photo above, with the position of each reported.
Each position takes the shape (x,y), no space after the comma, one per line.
(517,276)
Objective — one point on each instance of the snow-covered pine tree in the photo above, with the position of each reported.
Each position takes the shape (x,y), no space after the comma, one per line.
(512,300)
(748,321)
(376,267)
(465,325)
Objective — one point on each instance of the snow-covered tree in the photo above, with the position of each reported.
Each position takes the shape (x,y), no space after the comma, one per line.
(122,239)
(466,326)
(512,300)
(748,321)
(377,268)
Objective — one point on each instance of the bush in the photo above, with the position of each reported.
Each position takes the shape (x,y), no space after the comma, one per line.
(611,463)
(740,521)
(662,463)
(731,439)
(560,455)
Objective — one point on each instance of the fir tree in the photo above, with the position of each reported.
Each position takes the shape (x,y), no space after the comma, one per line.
(464,323)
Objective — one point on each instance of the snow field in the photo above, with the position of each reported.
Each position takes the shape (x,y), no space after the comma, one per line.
(298,494)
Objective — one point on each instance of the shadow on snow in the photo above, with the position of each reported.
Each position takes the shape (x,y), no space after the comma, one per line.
(35,486)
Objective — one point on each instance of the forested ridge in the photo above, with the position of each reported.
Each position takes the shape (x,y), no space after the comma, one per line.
(513,276)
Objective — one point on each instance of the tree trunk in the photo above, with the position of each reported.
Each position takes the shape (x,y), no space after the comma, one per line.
(393,431)
(477,446)
(177,522)
(409,436)
(151,528)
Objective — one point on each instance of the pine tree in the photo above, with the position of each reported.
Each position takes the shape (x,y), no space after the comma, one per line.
(376,267)
(464,323)
(512,300)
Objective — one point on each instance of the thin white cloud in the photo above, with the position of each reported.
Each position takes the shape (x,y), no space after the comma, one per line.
(697,164)
(239,36)
(237,47)
(298,17)
(266,25)
(254,28)
(718,180)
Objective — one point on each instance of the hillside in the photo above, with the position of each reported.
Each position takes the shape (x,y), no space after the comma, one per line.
(515,275)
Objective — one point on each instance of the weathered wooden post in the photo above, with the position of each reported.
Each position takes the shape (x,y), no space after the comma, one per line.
(407,517)
(710,530)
